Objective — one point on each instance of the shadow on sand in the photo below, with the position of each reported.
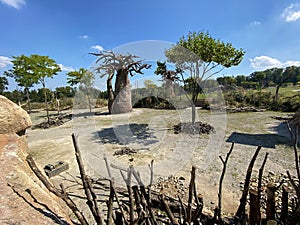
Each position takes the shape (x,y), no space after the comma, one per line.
(264,140)
(281,137)
(126,134)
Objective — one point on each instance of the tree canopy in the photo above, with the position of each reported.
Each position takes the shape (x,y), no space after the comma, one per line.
(3,84)
(203,56)
(82,76)
(33,69)
(199,49)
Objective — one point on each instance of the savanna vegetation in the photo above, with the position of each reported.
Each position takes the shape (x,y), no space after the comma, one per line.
(190,71)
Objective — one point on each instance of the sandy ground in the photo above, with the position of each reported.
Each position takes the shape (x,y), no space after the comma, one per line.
(150,133)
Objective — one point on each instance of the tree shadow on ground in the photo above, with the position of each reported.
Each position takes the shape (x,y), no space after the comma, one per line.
(126,134)
(280,136)
(264,140)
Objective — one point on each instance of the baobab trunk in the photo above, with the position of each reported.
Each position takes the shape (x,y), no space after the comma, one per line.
(122,102)
(110,92)
(170,88)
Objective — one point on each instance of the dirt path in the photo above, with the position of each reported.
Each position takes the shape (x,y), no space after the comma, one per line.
(150,133)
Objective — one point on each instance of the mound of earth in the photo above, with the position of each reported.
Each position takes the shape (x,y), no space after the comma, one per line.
(53,122)
(190,128)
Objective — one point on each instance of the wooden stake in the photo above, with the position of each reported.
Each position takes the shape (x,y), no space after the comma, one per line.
(221,181)
(270,212)
(254,216)
(241,210)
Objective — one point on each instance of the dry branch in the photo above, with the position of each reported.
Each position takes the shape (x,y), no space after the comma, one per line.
(91,201)
(241,209)
(270,213)
(254,218)
(260,174)
(61,194)
(190,199)
(221,180)
(168,211)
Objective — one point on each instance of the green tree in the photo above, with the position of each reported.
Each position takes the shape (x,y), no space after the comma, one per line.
(44,67)
(64,92)
(149,84)
(33,69)
(23,75)
(227,81)
(75,77)
(3,84)
(283,76)
(203,56)
(240,79)
(85,79)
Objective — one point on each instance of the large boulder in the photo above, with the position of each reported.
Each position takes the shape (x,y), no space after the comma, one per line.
(13,119)
(23,197)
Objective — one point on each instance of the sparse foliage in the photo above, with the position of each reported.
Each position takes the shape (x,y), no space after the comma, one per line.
(85,79)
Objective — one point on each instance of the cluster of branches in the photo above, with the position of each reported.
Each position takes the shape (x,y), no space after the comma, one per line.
(143,202)
(111,64)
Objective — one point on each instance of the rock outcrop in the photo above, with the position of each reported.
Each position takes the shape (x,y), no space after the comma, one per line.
(13,119)
(23,198)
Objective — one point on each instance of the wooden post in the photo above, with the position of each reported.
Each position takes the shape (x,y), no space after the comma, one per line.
(190,198)
(254,208)
(221,181)
(285,204)
(119,218)
(270,213)
(241,209)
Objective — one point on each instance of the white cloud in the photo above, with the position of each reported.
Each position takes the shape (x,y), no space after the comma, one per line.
(291,13)
(266,62)
(291,63)
(255,23)
(84,37)
(5,61)
(97,47)
(65,68)
(14,3)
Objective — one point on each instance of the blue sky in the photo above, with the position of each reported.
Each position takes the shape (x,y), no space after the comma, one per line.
(65,30)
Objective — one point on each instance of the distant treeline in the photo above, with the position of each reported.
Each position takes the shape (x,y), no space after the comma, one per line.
(263,79)
(62,93)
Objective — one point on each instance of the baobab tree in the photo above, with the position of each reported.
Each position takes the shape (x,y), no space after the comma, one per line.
(111,64)
(169,77)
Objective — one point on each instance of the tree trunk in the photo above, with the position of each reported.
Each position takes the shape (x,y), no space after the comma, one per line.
(89,99)
(170,88)
(194,100)
(110,93)
(122,102)
(276,93)
(28,100)
(46,103)
(57,105)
